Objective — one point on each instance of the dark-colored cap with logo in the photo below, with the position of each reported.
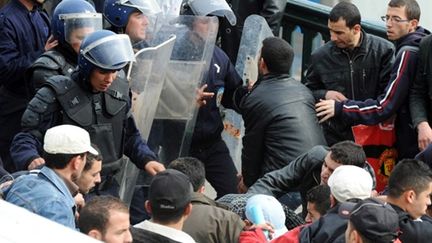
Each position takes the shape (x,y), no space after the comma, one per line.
(170,190)
(372,218)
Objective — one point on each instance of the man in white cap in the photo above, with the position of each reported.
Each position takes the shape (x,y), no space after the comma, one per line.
(50,192)
(347,183)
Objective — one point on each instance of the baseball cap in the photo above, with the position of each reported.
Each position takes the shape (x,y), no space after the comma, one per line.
(271,211)
(372,218)
(349,181)
(67,139)
(170,190)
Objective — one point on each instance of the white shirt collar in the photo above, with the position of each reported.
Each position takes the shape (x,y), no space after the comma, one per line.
(169,232)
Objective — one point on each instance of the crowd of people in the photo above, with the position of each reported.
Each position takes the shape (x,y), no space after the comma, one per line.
(68,126)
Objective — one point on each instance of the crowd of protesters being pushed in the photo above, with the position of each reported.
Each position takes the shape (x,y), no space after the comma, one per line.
(303,178)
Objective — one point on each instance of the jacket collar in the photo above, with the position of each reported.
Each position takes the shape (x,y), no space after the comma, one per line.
(271,76)
(64,185)
(73,188)
(171,233)
(199,198)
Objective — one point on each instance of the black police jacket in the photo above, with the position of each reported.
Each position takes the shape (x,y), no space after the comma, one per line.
(58,61)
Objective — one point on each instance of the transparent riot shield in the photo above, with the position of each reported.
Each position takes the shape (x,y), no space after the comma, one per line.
(170,7)
(255,30)
(146,77)
(172,129)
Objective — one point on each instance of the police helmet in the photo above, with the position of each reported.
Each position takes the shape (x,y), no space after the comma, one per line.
(117,12)
(218,8)
(97,51)
(70,15)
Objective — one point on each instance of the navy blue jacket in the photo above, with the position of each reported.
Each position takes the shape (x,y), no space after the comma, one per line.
(413,231)
(330,228)
(222,77)
(23,37)
(3,172)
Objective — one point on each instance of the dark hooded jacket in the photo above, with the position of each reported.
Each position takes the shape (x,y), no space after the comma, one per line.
(394,99)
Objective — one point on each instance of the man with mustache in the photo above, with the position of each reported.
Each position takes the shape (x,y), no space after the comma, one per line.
(352,65)
(402,22)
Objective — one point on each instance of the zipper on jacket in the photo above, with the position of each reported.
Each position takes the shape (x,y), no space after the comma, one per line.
(351,72)
(352,78)
(351,62)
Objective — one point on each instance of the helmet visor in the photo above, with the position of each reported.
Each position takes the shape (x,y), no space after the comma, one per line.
(110,53)
(77,26)
(147,7)
(213,7)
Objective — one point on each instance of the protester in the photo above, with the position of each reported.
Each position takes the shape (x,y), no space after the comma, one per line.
(50,192)
(106,218)
(370,220)
(352,65)
(209,220)
(169,204)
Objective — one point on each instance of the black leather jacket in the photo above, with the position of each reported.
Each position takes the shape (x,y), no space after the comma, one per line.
(271,10)
(280,124)
(360,74)
(302,174)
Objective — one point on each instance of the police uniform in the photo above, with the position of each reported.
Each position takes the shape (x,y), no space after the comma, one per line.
(105,115)
(23,37)
(207,144)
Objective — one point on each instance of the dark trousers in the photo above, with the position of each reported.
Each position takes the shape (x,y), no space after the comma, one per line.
(219,166)
(12,107)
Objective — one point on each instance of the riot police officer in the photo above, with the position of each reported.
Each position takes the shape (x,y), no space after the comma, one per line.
(136,18)
(71,22)
(95,97)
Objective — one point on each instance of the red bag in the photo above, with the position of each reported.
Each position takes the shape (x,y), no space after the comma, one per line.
(378,143)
